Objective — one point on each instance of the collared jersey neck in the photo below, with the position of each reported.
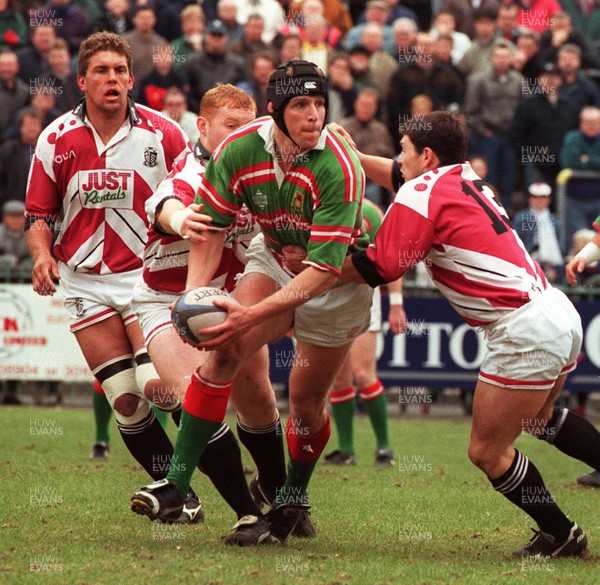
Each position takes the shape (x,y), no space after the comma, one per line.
(200,152)
(267,133)
(80,110)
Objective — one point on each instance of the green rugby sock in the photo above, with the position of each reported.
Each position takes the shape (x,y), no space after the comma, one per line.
(296,484)
(161,415)
(102,413)
(192,438)
(204,409)
(304,451)
(375,403)
(343,407)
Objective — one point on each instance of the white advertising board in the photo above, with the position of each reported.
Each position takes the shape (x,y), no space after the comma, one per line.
(35,341)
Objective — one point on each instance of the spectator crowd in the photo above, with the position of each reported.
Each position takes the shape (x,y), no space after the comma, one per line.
(523,76)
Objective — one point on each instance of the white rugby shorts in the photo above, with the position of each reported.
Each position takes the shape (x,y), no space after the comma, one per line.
(531,347)
(90,298)
(151,307)
(332,319)
(375,324)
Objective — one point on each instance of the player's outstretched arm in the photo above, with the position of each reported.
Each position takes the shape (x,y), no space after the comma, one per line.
(378,169)
(303,287)
(587,255)
(45,268)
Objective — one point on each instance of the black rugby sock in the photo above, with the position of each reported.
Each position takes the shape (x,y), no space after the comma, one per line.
(265,444)
(221,461)
(149,445)
(523,485)
(574,435)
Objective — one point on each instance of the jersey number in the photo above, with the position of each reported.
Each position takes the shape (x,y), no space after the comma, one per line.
(499,224)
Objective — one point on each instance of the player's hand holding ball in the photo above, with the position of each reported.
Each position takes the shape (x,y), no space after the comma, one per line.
(195,310)
(200,310)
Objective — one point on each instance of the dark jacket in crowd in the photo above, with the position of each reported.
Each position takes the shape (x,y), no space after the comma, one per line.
(539,127)
(203,71)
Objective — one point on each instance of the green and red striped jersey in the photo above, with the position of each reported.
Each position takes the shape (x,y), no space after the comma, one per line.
(316,204)
(372,218)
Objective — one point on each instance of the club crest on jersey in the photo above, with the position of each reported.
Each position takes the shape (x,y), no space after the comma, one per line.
(298,202)
(106,188)
(260,199)
(150,156)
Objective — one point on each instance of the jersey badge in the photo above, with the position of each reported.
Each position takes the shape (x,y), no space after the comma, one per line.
(150,156)
(298,202)
(260,199)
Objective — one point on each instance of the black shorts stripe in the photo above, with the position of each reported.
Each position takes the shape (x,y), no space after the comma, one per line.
(142,358)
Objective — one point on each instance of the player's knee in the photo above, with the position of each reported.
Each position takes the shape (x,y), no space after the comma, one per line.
(226,358)
(227,361)
(257,406)
(118,381)
(126,404)
(479,455)
(265,399)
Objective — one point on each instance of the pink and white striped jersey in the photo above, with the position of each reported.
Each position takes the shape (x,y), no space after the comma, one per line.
(448,219)
(166,255)
(98,191)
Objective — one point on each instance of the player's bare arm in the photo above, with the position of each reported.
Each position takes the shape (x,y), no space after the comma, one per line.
(187,222)
(349,272)
(378,169)
(205,257)
(45,268)
(396,314)
(303,287)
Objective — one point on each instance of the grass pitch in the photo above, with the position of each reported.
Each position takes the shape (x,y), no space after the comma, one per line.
(432,519)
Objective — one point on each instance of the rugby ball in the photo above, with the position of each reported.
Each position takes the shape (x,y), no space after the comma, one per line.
(194,310)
